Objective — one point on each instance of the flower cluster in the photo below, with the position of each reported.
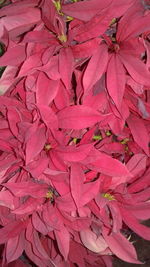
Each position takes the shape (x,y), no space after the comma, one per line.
(74,131)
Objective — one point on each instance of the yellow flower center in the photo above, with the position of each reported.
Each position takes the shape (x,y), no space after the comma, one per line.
(97,137)
(62,38)
(49,194)
(47,147)
(108,196)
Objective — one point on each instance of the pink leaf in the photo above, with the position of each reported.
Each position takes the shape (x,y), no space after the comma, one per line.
(95,68)
(74,154)
(39,224)
(17,24)
(13,56)
(90,190)
(35,144)
(139,132)
(63,239)
(29,206)
(29,64)
(77,179)
(39,37)
(137,163)
(109,166)
(29,188)
(121,247)
(92,242)
(14,118)
(140,210)
(46,89)
(78,117)
(48,116)
(66,64)
(6,199)
(136,68)
(85,10)
(85,49)
(11,230)
(116,80)
(133,224)
(15,247)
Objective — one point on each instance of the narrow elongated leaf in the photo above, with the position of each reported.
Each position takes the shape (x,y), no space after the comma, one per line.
(22,22)
(38,224)
(27,188)
(29,64)
(16,8)
(14,118)
(90,190)
(95,67)
(39,37)
(66,64)
(15,247)
(109,166)
(78,117)
(116,80)
(13,56)
(29,206)
(139,132)
(133,224)
(137,163)
(85,10)
(136,68)
(93,28)
(11,230)
(121,247)
(74,154)
(85,49)
(35,144)
(63,239)
(46,89)
(92,242)
(76,182)
(6,199)
(140,210)
(48,116)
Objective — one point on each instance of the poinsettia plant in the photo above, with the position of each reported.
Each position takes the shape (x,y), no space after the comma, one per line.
(74,131)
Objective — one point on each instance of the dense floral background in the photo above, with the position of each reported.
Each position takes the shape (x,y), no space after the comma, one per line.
(74,131)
